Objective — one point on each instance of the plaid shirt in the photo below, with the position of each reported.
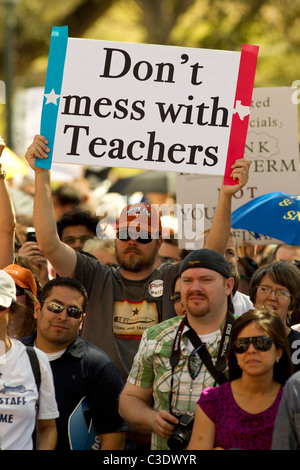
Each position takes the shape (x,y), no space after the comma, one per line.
(151,368)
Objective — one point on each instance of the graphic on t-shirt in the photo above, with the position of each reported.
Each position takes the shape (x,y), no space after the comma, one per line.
(132,318)
(17,389)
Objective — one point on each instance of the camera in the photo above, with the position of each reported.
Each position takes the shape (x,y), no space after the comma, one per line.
(180,437)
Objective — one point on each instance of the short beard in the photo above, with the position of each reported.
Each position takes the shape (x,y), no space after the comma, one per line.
(134,264)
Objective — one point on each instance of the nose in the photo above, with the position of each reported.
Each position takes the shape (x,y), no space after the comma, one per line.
(272,294)
(251,348)
(77,245)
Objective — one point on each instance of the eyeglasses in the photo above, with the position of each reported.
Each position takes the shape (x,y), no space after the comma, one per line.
(71,240)
(261,343)
(266,290)
(175,298)
(73,312)
(140,237)
(195,363)
(2,308)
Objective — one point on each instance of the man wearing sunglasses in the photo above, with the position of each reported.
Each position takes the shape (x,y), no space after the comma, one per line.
(80,370)
(124,301)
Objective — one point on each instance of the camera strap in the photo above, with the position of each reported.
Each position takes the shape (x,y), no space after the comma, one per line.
(216,370)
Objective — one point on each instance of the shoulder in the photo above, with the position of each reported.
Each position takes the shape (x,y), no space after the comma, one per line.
(293,334)
(212,393)
(293,382)
(165,328)
(93,358)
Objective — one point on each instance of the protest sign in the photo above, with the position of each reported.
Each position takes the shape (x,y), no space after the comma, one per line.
(272,146)
(146,106)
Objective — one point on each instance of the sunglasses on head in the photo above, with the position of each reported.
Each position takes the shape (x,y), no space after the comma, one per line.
(73,312)
(141,237)
(261,343)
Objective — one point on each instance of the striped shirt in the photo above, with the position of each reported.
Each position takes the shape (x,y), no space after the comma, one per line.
(151,369)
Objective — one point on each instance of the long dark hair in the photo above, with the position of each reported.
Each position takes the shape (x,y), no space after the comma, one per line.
(272,324)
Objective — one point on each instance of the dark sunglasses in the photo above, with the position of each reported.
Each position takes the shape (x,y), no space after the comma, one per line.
(195,363)
(73,312)
(140,237)
(175,298)
(261,343)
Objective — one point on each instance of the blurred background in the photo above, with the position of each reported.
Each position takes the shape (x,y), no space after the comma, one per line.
(25,32)
(217,24)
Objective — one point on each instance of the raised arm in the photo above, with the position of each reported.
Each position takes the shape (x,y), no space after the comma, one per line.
(218,236)
(8,222)
(61,256)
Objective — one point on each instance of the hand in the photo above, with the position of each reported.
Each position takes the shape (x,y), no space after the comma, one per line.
(240,172)
(2,145)
(38,149)
(164,423)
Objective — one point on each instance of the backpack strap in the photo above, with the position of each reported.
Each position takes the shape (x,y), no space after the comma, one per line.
(35,365)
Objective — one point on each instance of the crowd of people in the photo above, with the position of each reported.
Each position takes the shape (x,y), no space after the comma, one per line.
(166,349)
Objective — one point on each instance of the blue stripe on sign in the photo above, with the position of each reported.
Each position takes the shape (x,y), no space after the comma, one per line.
(54,78)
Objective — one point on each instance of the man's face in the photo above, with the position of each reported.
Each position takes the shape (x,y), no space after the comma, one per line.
(204,291)
(55,331)
(135,256)
(231,251)
(76,236)
(288,253)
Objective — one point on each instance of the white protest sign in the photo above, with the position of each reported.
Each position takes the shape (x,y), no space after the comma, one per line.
(145,106)
(272,146)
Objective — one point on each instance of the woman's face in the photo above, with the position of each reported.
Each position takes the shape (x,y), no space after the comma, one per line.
(268,297)
(255,362)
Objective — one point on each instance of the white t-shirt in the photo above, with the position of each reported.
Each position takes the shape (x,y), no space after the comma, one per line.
(19,397)
(241,303)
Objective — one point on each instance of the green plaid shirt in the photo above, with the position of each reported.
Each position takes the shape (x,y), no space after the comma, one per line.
(151,368)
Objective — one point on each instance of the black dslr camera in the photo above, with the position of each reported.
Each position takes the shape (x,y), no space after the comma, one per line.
(180,437)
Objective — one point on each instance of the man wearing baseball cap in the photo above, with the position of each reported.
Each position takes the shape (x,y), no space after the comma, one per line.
(173,365)
(123,301)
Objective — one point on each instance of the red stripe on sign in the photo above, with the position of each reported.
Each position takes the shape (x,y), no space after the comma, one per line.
(243,96)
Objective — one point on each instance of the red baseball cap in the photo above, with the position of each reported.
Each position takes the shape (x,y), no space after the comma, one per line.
(23,277)
(140,216)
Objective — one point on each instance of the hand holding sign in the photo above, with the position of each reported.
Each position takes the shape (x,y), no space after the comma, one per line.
(38,149)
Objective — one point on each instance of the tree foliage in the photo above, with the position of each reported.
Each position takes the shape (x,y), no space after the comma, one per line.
(217,24)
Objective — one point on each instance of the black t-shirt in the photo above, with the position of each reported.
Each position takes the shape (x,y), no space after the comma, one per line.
(85,371)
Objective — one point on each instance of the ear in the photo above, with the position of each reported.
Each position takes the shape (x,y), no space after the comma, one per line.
(37,309)
(279,352)
(229,285)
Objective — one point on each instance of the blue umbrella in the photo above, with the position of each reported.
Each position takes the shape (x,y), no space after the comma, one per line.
(276,215)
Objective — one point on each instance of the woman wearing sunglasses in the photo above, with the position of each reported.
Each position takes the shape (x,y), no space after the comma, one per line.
(241,413)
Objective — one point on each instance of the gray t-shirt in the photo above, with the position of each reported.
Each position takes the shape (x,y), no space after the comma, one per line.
(120,310)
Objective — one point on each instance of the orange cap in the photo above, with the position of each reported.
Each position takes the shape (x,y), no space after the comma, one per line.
(23,277)
(142,216)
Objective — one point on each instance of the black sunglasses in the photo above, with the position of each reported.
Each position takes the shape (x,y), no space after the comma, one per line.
(195,362)
(73,312)
(175,298)
(261,343)
(140,237)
